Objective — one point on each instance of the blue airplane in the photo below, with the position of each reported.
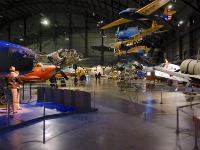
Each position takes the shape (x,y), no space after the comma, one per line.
(130,14)
(15,55)
(126,34)
(144,13)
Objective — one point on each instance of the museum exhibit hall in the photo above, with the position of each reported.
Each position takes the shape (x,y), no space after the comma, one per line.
(99,74)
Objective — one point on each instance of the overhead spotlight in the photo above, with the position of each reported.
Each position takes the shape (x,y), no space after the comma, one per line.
(21,39)
(181,22)
(41,14)
(20,26)
(100,22)
(170,6)
(44,21)
(66,39)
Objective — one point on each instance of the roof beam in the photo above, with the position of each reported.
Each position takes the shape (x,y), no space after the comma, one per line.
(192,6)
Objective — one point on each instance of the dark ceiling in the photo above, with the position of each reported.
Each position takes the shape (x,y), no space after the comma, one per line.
(11,10)
(16,9)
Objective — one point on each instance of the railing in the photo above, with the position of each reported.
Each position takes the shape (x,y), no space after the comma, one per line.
(178,109)
(196,131)
(53,104)
(132,86)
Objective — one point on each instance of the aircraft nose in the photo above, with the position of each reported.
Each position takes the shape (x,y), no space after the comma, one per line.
(52,68)
(124,12)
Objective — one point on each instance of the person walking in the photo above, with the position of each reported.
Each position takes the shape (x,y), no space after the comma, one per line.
(96,75)
(99,76)
(13,83)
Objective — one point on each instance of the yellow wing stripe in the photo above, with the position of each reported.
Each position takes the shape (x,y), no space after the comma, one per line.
(142,34)
(135,49)
(152,7)
(116,23)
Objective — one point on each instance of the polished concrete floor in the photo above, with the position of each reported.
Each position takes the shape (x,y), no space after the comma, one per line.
(125,120)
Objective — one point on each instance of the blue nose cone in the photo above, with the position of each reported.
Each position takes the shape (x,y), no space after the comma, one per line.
(15,55)
(124,12)
(127,12)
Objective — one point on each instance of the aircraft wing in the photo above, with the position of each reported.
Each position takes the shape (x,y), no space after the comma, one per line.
(135,49)
(175,75)
(137,37)
(116,23)
(152,7)
(116,45)
(29,78)
(161,31)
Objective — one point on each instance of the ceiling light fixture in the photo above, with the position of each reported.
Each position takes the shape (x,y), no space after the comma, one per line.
(45,21)
(170,6)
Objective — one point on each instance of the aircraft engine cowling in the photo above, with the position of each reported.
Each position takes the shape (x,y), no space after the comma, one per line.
(190,66)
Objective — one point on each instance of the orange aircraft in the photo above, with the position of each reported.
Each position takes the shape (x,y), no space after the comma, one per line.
(40,72)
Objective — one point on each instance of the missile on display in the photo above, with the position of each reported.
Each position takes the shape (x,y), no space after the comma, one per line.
(190,66)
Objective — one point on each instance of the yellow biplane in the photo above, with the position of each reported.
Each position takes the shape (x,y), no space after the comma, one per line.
(144,13)
(138,37)
(136,49)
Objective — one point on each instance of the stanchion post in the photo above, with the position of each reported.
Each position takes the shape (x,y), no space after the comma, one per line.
(177,120)
(30,92)
(94,100)
(44,118)
(23,91)
(161,97)
(196,134)
(8,103)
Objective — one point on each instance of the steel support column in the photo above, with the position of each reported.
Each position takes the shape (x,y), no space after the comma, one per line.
(55,37)
(86,36)
(112,6)
(102,51)
(191,39)
(192,6)
(70,31)
(180,38)
(9,32)
(40,37)
(127,3)
(25,33)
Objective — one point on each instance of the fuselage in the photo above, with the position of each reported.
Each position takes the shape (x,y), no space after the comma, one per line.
(126,34)
(15,55)
(40,72)
(132,14)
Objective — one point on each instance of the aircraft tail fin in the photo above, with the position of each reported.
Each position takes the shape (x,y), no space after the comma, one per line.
(117,33)
(154,24)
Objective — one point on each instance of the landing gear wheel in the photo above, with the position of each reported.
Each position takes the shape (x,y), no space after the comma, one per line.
(3,100)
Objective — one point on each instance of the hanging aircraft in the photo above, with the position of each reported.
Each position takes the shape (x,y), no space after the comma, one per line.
(136,38)
(126,34)
(136,49)
(144,13)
